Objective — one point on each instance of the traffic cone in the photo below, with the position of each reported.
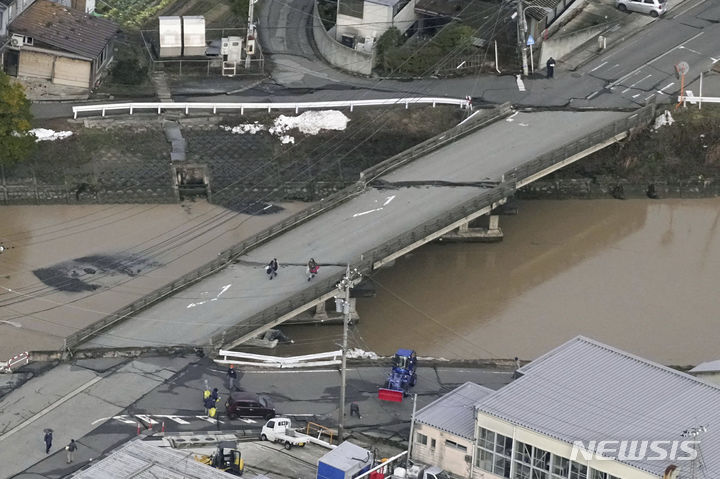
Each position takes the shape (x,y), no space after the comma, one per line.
(163,427)
(138,429)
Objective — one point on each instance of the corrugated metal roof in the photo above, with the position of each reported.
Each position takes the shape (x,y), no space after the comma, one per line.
(454,412)
(347,456)
(539,13)
(142,460)
(707,367)
(65,28)
(585,390)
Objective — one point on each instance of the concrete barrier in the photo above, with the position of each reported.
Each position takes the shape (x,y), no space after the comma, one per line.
(337,54)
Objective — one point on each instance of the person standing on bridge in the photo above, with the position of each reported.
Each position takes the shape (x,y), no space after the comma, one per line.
(550,67)
(312,269)
(271,268)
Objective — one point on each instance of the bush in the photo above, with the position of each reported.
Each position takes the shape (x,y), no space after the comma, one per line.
(129,71)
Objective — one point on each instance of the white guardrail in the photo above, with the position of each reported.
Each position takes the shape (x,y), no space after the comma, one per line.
(297,106)
(306,361)
(694,100)
(17,360)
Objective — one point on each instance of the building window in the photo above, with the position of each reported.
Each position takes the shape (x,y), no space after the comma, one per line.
(578,471)
(494,451)
(421,439)
(351,8)
(432,443)
(455,445)
(560,467)
(531,462)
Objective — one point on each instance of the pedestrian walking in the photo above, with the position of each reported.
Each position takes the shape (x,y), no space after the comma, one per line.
(312,269)
(355,410)
(232,376)
(48,440)
(271,268)
(550,67)
(71,448)
(209,403)
(516,374)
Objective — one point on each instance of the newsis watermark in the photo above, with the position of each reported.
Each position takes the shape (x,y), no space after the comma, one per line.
(635,450)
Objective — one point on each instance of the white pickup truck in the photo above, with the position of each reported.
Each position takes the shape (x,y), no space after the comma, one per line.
(280,430)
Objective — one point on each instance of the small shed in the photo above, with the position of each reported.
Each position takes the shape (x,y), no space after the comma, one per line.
(344,462)
(170,31)
(708,371)
(194,36)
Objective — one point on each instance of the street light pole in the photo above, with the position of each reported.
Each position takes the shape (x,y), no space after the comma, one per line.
(346,319)
(521,36)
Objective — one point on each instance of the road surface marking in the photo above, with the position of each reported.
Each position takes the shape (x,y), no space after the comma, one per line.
(222,290)
(622,79)
(177,419)
(592,95)
(639,81)
(520,84)
(636,95)
(599,66)
(666,86)
(249,421)
(510,118)
(146,418)
(388,200)
(210,419)
(366,212)
(56,404)
(12,323)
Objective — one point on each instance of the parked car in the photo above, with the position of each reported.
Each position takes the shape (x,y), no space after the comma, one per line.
(244,404)
(652,7)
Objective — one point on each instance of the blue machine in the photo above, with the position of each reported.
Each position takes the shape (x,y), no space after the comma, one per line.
(344,462)
(402,377)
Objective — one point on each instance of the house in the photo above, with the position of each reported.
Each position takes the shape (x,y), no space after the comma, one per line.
(60,44)
(707,371)
(87,6)
(364,21)
(540,15)
(9,10)
(444,429)
(586,410)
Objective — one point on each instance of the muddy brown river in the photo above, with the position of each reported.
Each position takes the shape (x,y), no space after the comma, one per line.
(639,275)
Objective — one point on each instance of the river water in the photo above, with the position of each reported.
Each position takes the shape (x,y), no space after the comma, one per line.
(640,275)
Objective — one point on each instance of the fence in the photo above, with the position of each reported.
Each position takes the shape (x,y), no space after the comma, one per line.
(297,106)
(226,256)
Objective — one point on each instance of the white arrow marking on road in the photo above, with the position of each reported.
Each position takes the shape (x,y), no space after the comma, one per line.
(666,86)
(637,95)
(599,66)
(520,84)
(249,421)
(177,419)
(714,60)
(388,200)
(12,323)
(366,212)
(510,118)
(224,288)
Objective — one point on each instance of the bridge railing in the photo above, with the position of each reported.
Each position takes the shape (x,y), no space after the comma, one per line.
(363,264)
(225,257)
(215,106)
(641,117)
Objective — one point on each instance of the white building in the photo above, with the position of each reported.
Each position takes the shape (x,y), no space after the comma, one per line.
(708,371)
(581,391)
(364,21)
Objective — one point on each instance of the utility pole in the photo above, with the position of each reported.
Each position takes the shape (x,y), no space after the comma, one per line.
(345,285)
(522,33)
(412,429)
(250,34)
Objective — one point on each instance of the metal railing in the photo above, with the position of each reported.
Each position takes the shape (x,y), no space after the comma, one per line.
(297,106)
(225,257)
(641,117)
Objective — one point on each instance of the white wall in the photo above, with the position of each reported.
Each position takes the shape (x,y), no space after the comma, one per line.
(377,19)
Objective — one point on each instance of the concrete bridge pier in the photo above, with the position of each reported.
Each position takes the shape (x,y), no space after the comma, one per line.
(467,233)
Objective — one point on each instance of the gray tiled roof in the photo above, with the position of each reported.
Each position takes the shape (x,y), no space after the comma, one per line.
(707,367)
(65,28)
(142,460)
(585,390)
(454,411)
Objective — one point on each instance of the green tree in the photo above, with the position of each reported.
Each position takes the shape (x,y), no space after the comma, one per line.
(16,143)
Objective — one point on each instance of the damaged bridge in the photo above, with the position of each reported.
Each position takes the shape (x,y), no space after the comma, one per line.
(434,189)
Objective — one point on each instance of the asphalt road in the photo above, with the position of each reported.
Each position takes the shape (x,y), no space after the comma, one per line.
(150,391)
(344,233)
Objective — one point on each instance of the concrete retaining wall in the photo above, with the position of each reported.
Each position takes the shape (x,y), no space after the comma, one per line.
(586,188)
(337,54)
(558,47)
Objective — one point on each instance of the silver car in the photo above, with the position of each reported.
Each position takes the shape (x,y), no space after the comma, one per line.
(654,8)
